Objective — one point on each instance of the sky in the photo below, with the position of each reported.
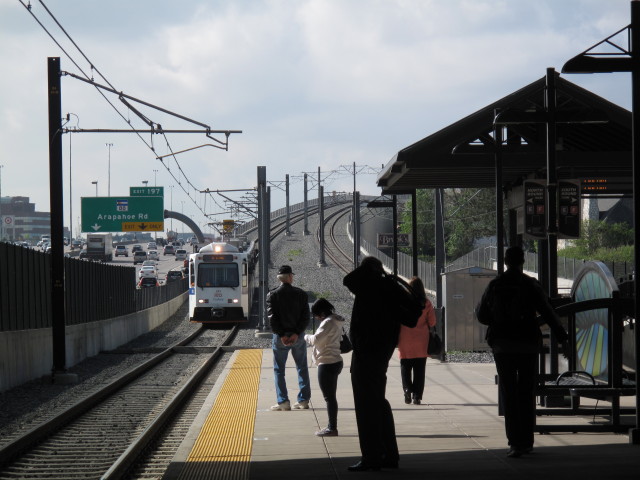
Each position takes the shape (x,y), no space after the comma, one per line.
(312,84)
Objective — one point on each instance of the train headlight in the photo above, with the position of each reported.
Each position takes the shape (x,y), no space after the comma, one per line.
(203,300)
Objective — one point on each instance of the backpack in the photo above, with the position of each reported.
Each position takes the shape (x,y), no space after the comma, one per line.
(408,306)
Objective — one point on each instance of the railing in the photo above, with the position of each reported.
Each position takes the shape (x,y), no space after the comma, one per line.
(485,257)
(93,291)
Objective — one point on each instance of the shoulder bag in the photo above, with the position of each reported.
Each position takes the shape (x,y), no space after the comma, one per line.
(435,342)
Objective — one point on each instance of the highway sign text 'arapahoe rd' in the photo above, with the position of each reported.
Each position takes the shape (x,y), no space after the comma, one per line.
(122,214)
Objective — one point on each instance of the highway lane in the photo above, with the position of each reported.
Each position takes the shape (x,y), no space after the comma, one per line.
(164,264)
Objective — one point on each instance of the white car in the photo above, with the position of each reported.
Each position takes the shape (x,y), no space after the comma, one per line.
(181,254)
(152,255)
(152,246)
(147,263)
(148,271)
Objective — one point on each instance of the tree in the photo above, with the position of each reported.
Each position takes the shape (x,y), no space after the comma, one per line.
(425,221)
(469,214)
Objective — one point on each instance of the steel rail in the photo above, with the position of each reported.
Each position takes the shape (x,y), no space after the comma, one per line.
(131,455)
(46,429)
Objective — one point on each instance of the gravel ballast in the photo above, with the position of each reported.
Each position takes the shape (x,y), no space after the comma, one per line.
(26,406)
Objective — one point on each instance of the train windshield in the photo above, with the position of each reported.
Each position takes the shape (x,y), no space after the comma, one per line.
(218,275)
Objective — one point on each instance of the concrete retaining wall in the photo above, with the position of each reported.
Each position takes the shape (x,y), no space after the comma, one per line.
(28,354)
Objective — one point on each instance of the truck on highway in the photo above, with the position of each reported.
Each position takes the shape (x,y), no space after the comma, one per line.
(100,247)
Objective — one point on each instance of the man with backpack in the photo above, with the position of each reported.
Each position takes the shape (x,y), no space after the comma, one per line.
(380,306)
(508,306)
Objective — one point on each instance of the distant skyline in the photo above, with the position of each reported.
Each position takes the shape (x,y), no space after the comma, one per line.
(311,83)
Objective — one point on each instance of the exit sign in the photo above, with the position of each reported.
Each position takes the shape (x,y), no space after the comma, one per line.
(146,191)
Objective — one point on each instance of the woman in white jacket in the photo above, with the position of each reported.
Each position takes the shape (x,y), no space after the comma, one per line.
(326,354)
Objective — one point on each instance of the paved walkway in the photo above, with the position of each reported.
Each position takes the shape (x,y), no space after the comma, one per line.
(455,434)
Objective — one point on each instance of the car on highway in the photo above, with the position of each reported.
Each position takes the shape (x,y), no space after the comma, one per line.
(193,240)
(122,250)
(76,244)
(136,248)
(181,254)
(139,257)
(152,246)
(168,250)
(173,275)
(153,263)
(146,282)
(152,254)
(148,271)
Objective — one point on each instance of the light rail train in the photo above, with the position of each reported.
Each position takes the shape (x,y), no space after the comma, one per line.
(221,283)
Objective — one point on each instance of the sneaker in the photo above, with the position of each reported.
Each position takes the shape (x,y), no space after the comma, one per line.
(326,432)
(282,406)
(301,405)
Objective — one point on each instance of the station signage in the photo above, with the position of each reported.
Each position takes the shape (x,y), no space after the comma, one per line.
(535,209)
(569,209)
(122,214)
(386,240)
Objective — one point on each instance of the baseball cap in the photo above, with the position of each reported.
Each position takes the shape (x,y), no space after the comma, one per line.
(285,269)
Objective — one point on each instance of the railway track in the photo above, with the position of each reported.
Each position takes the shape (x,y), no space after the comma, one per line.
(133,426)
(333,244)
(104,435)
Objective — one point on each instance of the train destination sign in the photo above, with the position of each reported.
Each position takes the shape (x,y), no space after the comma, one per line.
(122,214)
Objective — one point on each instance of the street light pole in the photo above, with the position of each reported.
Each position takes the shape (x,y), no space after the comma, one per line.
(155,177)
(182,201)
(109,145)
(171,187)
(96,184)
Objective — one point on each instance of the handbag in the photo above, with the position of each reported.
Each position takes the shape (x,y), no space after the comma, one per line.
(435,342)
(345,343)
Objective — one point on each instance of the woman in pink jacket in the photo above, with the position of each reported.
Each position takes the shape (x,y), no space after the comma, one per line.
(412,348)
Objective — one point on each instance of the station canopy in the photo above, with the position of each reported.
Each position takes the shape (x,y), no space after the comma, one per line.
(593,145)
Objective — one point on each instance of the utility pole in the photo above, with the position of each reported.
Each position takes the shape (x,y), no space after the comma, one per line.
(56,191)
(1,220)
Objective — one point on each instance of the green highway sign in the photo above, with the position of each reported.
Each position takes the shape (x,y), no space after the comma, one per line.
(122,214)
(146,191)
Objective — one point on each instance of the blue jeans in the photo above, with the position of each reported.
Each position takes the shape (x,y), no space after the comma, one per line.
(299,353)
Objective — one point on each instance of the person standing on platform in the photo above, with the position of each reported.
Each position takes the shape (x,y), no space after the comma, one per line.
(326,354)
(288,313)
(412,348)
(374,335)
(508,306)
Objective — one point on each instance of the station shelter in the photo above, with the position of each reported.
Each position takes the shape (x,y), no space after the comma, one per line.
(543,148)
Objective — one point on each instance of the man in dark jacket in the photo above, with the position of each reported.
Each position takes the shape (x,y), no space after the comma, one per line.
(508,306)
(374,333)
(288,312)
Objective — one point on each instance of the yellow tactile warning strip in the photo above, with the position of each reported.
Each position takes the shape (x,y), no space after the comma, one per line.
(223,447)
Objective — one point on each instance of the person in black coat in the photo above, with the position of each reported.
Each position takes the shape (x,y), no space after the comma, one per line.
(288,313)
(508,306)
(374,334)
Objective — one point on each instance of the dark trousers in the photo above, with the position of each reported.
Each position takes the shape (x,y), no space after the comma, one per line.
(376,428)
(516,382)
(417,367)
(328,381)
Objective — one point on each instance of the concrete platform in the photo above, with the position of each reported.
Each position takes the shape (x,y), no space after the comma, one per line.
(455,434)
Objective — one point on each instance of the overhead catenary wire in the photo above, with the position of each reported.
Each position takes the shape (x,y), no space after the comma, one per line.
(89,78)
